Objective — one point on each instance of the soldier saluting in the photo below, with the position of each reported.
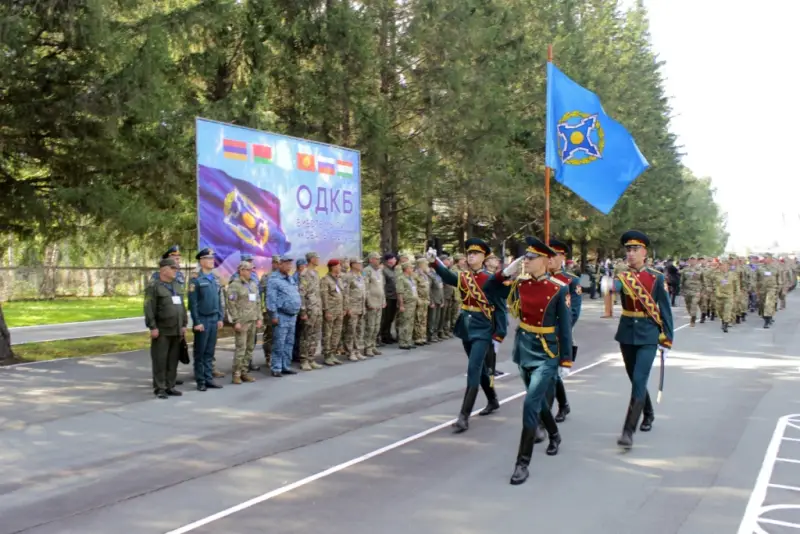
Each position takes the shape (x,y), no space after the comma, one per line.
(542,344)
(479,322)
(644,328)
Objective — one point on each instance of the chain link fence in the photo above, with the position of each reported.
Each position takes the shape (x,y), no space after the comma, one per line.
(25,283)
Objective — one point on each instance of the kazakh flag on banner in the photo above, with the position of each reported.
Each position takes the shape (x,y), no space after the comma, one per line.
(589,152)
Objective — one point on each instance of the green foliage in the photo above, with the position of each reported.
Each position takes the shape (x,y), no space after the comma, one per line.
(445,99)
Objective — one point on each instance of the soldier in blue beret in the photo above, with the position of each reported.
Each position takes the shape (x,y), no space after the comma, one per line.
(644,327)
(542,344)
(480,321)
(556,267)
(206,306)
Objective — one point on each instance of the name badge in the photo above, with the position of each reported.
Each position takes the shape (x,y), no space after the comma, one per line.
(337,289)
(176,299)
(251,297)
(767,273)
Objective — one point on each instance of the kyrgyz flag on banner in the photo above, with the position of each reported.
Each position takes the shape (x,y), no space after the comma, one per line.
(305,160)
(237,216)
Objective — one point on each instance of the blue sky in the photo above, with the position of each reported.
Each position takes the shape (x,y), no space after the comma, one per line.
(732,79)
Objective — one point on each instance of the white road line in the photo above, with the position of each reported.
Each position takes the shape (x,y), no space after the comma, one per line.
(781,486)
(752,514)
(340,467)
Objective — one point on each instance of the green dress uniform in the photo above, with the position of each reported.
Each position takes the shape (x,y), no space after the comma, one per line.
(645,324)
(479,321)
(164,311)
(542,343)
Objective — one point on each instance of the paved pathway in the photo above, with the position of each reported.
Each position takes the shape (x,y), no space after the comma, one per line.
(55,332)
(366,447)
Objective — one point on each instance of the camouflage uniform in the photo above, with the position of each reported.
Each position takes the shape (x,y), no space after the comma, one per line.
(725,292)
(332,296)
(355,304)
(435,311)
(691,282)
(708,305)
(785,282)
(449,305)
(243,309)
(311,309)
(267,337)
(423,302)
(407,294)
(375,302)
(345,270)
(767,281)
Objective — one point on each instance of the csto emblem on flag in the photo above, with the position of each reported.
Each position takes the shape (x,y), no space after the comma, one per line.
(245,219)
(581,138)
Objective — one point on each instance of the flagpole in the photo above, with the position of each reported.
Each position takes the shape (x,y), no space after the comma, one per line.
(547,176)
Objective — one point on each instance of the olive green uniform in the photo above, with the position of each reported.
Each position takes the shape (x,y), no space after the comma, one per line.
(164,310)
(244,308)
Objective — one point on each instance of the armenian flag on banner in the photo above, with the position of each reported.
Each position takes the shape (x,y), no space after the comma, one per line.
(233,149)
(235,215)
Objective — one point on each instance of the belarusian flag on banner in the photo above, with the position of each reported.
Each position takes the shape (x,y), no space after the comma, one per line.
(344,168)
(262,153)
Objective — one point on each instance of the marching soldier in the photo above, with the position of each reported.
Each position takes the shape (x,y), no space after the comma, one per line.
(479,322)
(435,309)
(709,281)
(556,268)
(310,313)
(375,303)
(542,344)
(423,302)
(207,308)
(407,301)
(356,295)
(644,328)
(165,317)
(332,297)
(692,284)
(767,283)
(244,308)
(724,293)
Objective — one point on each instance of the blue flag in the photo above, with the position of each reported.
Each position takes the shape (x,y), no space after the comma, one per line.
(589,152)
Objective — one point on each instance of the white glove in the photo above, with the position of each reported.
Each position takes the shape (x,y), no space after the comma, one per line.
(665,349)
(513,268)
(496,345)
(563,372)
(431,255)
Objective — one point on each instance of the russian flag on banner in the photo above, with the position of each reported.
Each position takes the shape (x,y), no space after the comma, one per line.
(326,165)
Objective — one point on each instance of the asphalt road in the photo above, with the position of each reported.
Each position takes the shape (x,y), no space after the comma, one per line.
(366,447)
(55,332)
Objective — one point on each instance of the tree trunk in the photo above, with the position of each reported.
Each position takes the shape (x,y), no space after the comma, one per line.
(5,339)
(48,288)
(388,202)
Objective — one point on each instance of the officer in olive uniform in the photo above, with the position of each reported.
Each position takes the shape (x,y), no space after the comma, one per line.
(245,312)
(206,306)
(165,317)
(407,301)
(178,283)
(542,344)
(479,322)
(557,270)
(254,277)
(644,328)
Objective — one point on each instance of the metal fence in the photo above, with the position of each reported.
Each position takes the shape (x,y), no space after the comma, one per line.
(21,283)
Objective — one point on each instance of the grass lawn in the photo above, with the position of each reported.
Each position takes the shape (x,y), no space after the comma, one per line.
(92,346)
(69,310)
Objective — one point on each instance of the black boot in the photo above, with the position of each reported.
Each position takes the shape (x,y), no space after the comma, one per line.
(767,321)
(631,418)
(541,434)
(563,405)
(462,424)
(724,327)
(493,404)
(738,319)
(523,456)
(649,415)
(552,431)
(702,318)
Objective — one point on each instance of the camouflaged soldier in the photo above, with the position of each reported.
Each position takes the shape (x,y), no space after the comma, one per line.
(767,281)
(310,313)
(737,288)
(406,306)
(708,306)
(244,310)
(785,282)
(459,264)
(332,297)
(435,309)
(692,287)
(355,306)
(744,287)
(345,270)
(449,304)
(725,293)
(375,303)
(263,285)
(423,301)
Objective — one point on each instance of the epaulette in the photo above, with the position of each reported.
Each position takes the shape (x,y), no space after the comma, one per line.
(653,271)
(557,281)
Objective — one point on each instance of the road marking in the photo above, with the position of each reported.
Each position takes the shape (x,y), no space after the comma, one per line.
(340,467)
(755,506)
